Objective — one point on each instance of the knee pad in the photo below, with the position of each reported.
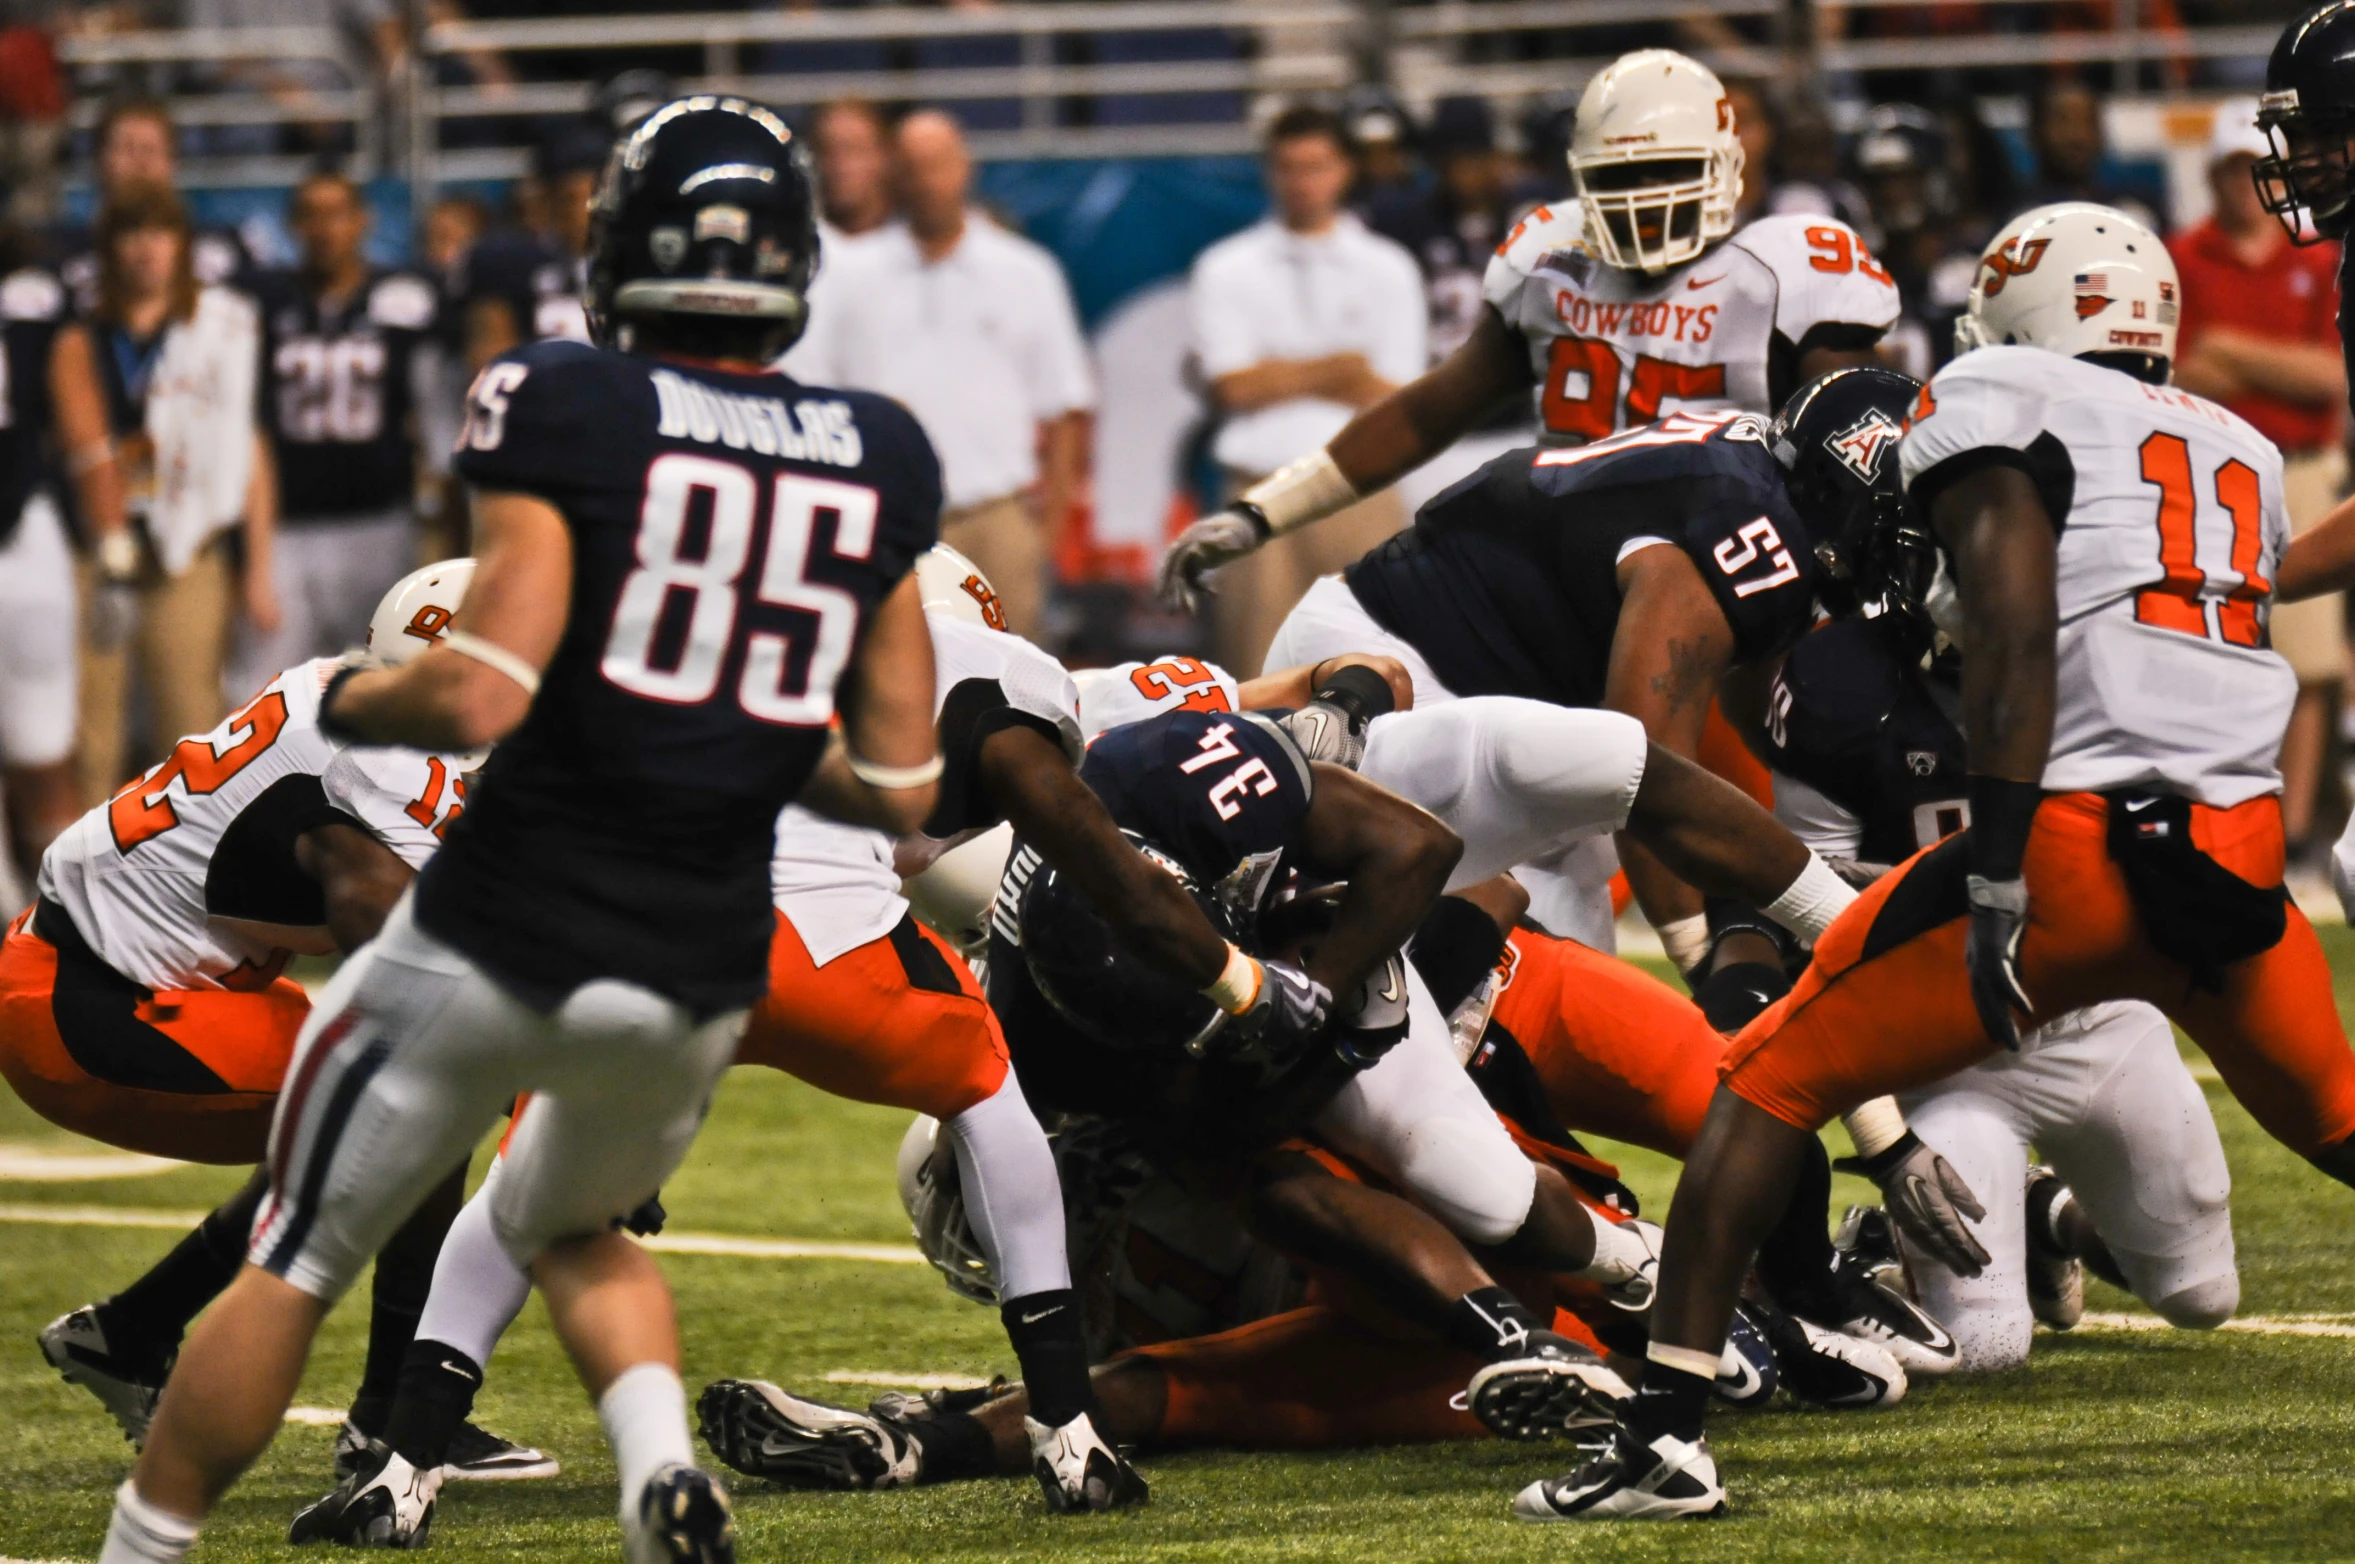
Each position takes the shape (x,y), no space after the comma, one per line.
(1570,756)
(2203,1305)
(1454,1167)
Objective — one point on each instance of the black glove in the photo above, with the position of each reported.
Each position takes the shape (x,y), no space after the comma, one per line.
(648,1218)
(1286,1016)
(1999,916)
(1928,1200)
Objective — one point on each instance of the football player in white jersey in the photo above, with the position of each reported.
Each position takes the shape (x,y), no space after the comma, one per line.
(142,1001)
(2111,544)
(1633,300)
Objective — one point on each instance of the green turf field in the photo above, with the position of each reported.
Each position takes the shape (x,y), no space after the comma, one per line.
(2111,1444)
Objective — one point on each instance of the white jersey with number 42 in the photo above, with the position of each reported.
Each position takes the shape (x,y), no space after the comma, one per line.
(1611,349)
(141,875)
(2172,524)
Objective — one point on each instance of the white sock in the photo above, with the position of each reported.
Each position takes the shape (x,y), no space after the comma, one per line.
(1808,904)
(141,1533)
(1620,1253)
(477,1289)
(1012,1195)
(645,1418)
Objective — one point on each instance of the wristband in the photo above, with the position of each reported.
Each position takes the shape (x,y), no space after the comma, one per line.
(1359,693)
(1310,489)
(329,723)
(1875,1126)
(1235,988)
(1686,941)
(894,778)
(2002,813)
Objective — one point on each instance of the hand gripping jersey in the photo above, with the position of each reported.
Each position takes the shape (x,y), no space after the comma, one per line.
(2171,525)
(731,535)
(339,388)
(1507,583)
(1610,349)
(208,835)
(1132,692)
(1868,760)
(838,882)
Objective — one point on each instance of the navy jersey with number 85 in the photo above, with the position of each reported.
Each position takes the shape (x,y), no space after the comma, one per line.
(731,536)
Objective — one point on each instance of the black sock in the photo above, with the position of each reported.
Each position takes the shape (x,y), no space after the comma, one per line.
(1491,1323)
(956,1447)
(148,1317)
(396,1300)
(437,1386)
(1671,1402)
(1050,1339)
(1797,1258)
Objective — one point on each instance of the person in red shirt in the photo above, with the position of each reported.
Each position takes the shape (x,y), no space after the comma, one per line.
(2260,335)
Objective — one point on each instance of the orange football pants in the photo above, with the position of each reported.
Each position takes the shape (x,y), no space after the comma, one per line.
(897,1021)
(1621,1054)
(243,1039)
(1886,1004)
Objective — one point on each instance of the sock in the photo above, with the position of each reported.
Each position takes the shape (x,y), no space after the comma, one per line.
(396,1300)
(1674,1395)
(436,1393)
(956,1448)
(1619,1253)
(1046,1330)
(140,1533)
(478,1289)
(149,1316)
(645,1416)
(1491,1323)
(1012,1196)
(1797,1258)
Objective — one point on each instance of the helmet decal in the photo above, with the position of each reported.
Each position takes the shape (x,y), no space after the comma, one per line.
(2003,263)
(993,612)
(1863,445)
(428,623)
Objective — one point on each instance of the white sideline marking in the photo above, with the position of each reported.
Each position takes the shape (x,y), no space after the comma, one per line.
(25,1162)
(315,1417)
(2342,1325)
(892,1380)
(666,1243)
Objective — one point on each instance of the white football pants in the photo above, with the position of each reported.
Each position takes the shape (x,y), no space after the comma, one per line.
(2105,1098)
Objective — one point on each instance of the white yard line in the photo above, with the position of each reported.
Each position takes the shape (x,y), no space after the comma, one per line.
(74,1162)
(2340,1325)
(316,1417)
(666,1243)
(894,1380)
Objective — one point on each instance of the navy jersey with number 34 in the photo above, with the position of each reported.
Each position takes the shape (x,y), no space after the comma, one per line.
(1507,583)
(731,536)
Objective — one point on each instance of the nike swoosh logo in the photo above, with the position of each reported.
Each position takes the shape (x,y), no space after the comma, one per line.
(1043,1314)
(2135,806)
(1390,985)
(452,1368)
(1704,282)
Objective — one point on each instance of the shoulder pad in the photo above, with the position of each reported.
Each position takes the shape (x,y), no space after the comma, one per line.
(402,302)
(1549,235)
(31,295)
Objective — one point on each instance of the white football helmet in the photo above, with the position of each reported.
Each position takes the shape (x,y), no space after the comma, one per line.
(930,1194)
(954,585)
(2073,278)
(953,895)
(417,611)
(1655,160)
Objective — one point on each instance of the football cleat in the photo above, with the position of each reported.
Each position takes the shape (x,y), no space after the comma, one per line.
(476,1455)
(2056,1279)
(1829,1368)
(1876,1312)
(1746,1373)
(1668,1479)
(1078,1471)
(681,1517)
(75,1345)
(1869,1238)
(763,1431)
(1556,1388)
(387,1503)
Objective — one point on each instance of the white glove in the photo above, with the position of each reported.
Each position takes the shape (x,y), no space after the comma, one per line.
(1929,1202)
(1215,540)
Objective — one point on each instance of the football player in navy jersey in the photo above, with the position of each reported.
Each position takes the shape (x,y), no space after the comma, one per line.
(677,597)
(351,389)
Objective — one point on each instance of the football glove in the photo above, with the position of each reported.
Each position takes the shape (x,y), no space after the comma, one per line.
(1929,1202)
(1217,539)
(1999,916)
(1287,1014)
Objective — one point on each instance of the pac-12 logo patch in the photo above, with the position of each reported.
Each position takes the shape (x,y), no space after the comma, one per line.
(1861,445)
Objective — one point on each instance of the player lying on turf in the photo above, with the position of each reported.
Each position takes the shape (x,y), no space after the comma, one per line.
(1869,768)
(2110,542)
(141,1001)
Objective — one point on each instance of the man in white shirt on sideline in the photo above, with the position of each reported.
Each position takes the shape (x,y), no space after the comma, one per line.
(972,329)
(1299,321)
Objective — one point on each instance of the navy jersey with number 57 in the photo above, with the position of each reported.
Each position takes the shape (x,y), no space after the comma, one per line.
(731,536)
(1507,583)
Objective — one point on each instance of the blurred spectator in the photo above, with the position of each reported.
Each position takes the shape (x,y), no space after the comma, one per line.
(2260,335)
(1299,321)
(972,327)
(452,225)
(525,285)
(1906,169)
(351,374)
(370,29)
(1986,188)
(1544,171)
(1382,135)
(154,403)
(37,609)
(1790,162)
(853,144)
(137,144)
(32,116)
(2065,128)
(1754,125)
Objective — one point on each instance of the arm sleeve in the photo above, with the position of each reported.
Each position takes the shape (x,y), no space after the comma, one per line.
(1828,286)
